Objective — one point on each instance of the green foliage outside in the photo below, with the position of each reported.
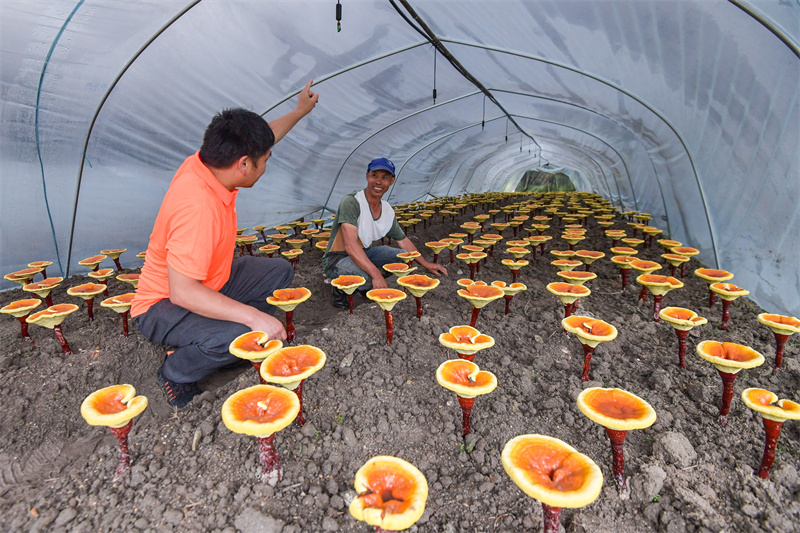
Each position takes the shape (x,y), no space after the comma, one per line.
(534,181)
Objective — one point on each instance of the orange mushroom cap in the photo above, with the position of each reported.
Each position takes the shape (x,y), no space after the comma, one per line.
(669,243)
(133,279)
(46,284)
(254,346)
(288,299)
(289,366)
(23,275)
(785,325)
(645,266)
(391,493)
(576,277)
(685,250)
(101,274)
(624,250)
(563,254)
(552,471)
(291,254)
(21,307)
(40,264)
(623,261)
(728,291)
(568,292)
(659,284)
(680,318)
(769,406)
(510,289)
(480,295)
(712,275)
(386,298)
(112,406)
(87,291)
(114,252)
(616,409)
(515,264)
(675,259)
(589,254)
(728,356)
(52,316)
(465,378)
(590,331)
(436,246)
(322,245)
(418,284)
(399,268)
(348,283)
(120,303)
(465,340)
(92,261)
(260,410)
(269,248)
(408,256)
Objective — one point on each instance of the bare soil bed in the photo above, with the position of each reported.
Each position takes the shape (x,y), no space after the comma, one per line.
(189,473)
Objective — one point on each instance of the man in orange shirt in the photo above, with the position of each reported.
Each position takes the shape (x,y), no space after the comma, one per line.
(192,294)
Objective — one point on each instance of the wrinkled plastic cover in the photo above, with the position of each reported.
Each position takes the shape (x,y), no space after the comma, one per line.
(685,110)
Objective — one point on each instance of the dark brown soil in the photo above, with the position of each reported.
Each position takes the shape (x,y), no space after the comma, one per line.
(189,473)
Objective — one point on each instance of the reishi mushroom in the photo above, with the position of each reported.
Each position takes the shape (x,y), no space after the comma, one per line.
(120,304)
(20,310)
(115,407)
(643,268)
(51,318)
(553,472)
(101,276)
(391,494)
(114,254)
(618,411)
(514,266)
(588,257)
(729,358)
(710,276)
(471,259)
(566,265)
(286,300)
(590,333)
(467,381)
(659,286)
(348,284)
(418,285)
(568,294)
(728,292)
(686,251)
(479,294)
(290,367)
(782,327)
(24,276)
(92,262)
(41,264)
(774,413)
(674,261)
(131,279)
(87,292)
(386,299)
(43,288)
(261,411)
(293,256)
(254,346)
(509,291)
(683,320)
(437,247)
(576,277)
(466,341)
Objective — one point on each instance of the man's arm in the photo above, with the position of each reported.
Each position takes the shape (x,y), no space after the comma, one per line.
(433,268)
(204,301)
(356,252)
(305,103)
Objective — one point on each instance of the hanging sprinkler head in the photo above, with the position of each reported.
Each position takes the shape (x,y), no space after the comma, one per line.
(338,17)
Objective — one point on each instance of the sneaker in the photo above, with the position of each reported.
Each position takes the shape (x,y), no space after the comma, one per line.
(178,394)
(339,299)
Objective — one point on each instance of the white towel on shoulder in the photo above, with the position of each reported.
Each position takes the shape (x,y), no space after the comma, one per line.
(369,229)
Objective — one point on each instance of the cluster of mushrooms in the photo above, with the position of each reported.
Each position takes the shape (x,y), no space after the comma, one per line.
(392,493)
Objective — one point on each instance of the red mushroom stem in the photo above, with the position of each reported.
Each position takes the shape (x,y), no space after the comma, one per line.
(264,236)
(44,273)
(617,439)
(116,262)
(534,251)
(48,300)
(672,270)
(657,307)
(614,243)
(249,248)
(90,308)
(124,457)
(105,291)
(257,366)
(587,361)
(435,257)
(683,269)
(24,330)
(124,316)
(451,257)
(96,267)
(478,266)
(588,267)
(780,340)
(350,302)
(624,273)
(514,276)
(472,271)
(682,335)
(389,324)
(65,349)
(299,391)
(541,249)
(419,306)
(291,334)
(773,429)
(572,246)
(567,310)
(466,412)
(467,357)
(508,298)
(726,314)
(727,395)
(712,297)
(475,312)
(643,294)
(269,457)
(551,517)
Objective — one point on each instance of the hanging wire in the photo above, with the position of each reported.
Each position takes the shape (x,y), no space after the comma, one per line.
(506,129)
(483,118)
(434,76)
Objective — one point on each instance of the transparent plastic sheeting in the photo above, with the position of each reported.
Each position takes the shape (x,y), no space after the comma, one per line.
(686,110)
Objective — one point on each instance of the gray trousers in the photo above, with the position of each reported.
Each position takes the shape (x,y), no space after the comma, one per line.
(201,344)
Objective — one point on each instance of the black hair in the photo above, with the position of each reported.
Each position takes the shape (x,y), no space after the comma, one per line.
(234,133)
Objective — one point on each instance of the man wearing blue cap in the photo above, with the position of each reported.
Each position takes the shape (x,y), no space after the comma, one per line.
(362,218)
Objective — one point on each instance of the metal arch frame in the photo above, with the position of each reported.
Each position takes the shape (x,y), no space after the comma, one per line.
(767,23)
(626,93)
(620,124)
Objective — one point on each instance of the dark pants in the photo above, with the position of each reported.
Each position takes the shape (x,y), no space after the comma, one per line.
(202,343)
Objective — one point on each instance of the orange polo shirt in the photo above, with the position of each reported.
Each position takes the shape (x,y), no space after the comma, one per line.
(194,233)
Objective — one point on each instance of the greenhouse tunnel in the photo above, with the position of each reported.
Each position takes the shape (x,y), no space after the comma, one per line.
(685,110)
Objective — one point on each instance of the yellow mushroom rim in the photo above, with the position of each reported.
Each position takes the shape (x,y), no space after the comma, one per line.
(465,378)
(452,242)
(391,493)
(675,259)
(259,228)
(769,406)
(480,295)
(669,243)
(133,279)
(296,243)
(783,325)
(283,229)
(711,275)
(461,236)
(589,256)
(590,331)
(418,284)
(291,254)
(246,239)
(492,237)
(563,254)
(465,340)
(572,239)
(291,365)
(472,257)
(386,298)
(510,289)
(348,283)
(101,274)
(517,244)
(728,356)
(278,237)
(566,264)
(21,307)
(399,268)
(436,246)
(515,264)
(616,409)
(466,282)
(538,239)
(632,242)
(728,291)
(47,284)
(302,224)
(269,248)
(119,304)
(23,276)
(615,233)
(623,261)
(288,299)
(52,316)
(260,410)
(551,471)
(310,232)
(141,254)
(92,261)
(112,406)
(659,285)
(681,318)
(685,250)
(568,292)
(518,251)
(651,230)
(254,346)
(40,264)
(322,245)
(87,291)
(576,277)
(408,256)
(472,248)
(114,252)
(645,266)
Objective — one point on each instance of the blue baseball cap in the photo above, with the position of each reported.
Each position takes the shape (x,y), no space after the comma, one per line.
(381,163)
